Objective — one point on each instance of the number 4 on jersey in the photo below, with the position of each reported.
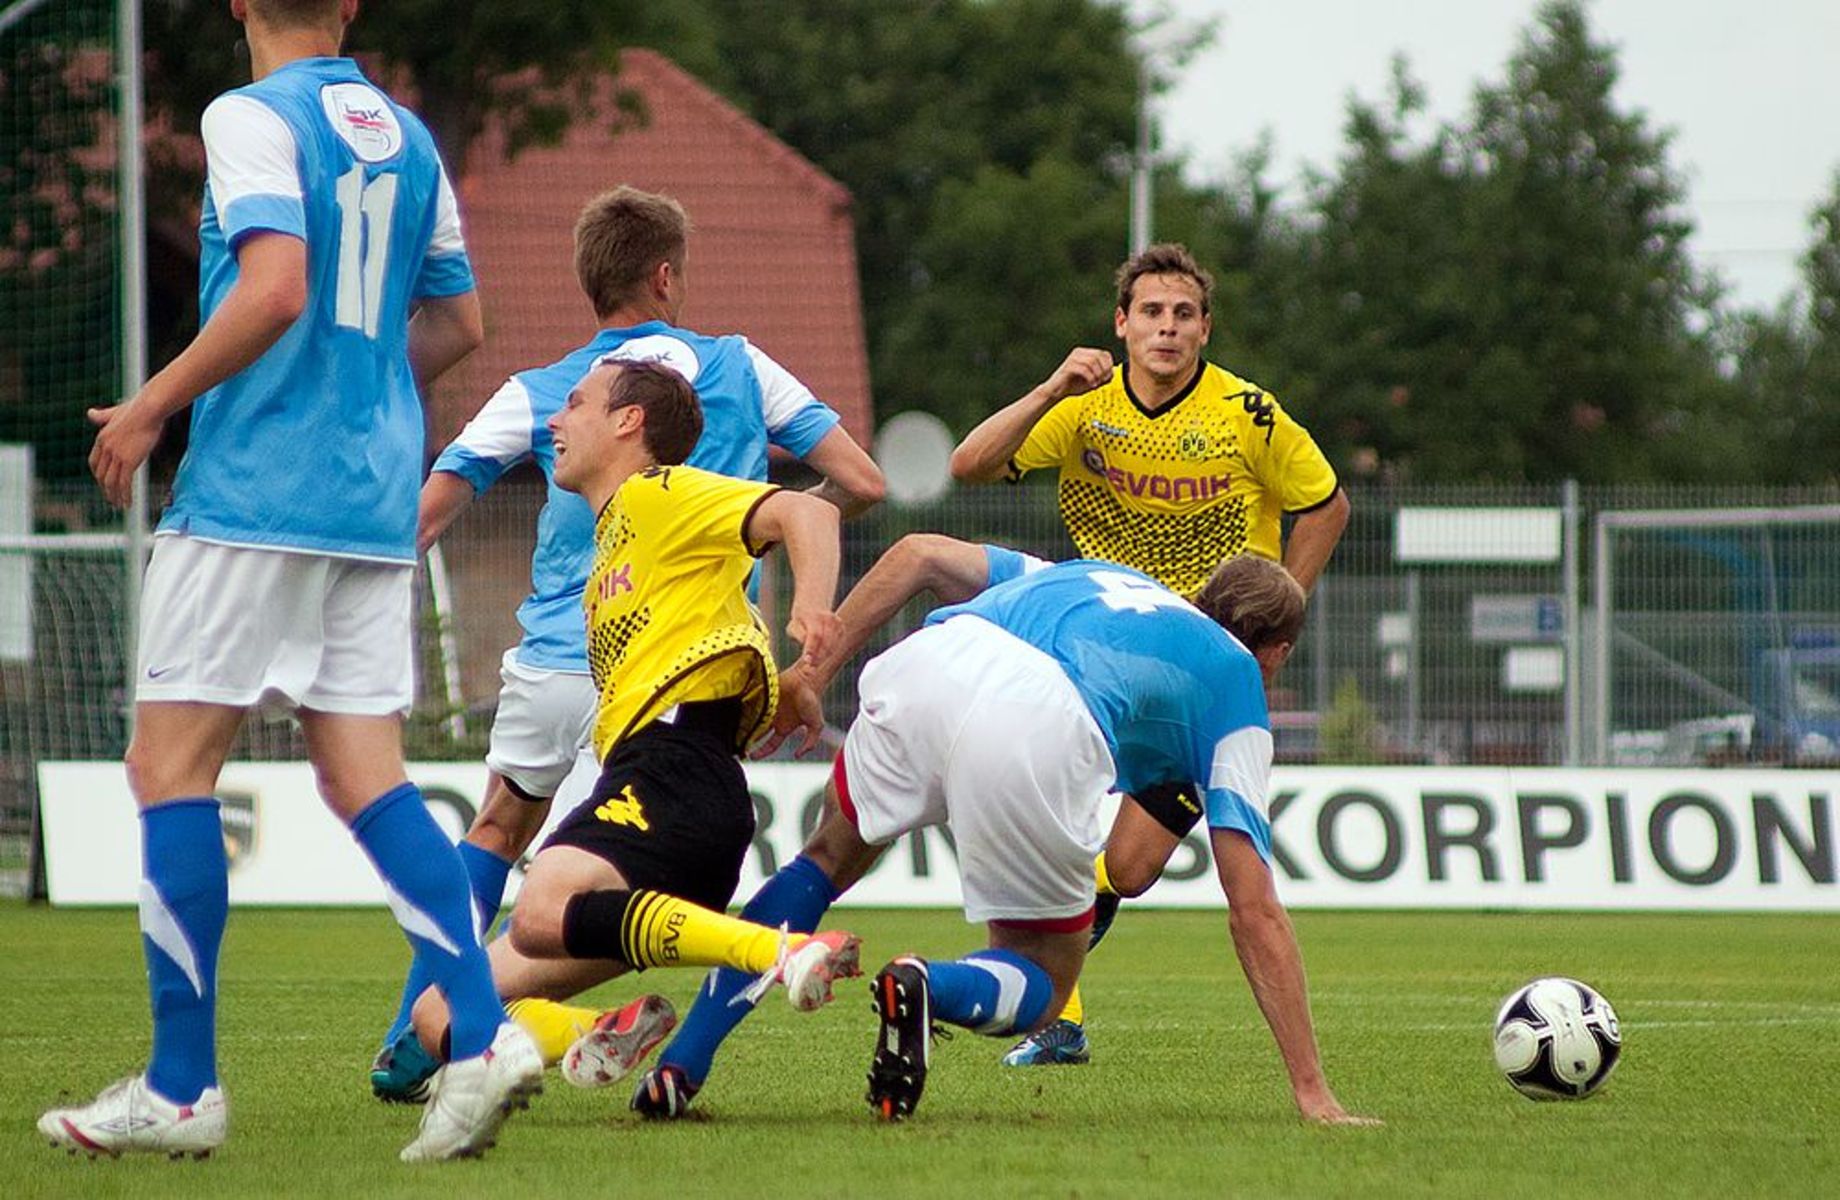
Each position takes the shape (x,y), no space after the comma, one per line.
(1128,593)
(364,247)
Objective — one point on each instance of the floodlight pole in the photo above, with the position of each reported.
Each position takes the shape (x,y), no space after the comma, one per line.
(133,231)
(1141,159)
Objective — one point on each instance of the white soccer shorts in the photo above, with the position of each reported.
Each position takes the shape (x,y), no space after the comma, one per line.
(544,718)
(246,626)
(964,725)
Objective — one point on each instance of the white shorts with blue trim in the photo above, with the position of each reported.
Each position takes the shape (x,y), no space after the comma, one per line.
(965,725)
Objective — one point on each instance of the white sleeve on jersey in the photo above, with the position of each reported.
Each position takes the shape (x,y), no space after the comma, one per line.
(782,396)
(1242,765)
(249,151)
(502,430)
(446,238)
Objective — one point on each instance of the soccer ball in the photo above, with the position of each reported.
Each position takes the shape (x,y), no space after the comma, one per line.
(1556,1039)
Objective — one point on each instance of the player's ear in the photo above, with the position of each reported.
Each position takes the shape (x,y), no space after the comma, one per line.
(1118,319)
(239,9)
(1272,656)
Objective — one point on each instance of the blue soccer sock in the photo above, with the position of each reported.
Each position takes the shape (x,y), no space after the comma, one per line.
(427,889)
(486,873)
(797,896)
(185,898)
(993,992)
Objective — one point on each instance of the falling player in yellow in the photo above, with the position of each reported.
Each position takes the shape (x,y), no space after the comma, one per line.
(1169,464)
(638,875)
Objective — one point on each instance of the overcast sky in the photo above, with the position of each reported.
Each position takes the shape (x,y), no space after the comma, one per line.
(1750,88)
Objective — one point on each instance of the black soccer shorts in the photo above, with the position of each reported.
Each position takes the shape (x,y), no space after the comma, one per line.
(671,811)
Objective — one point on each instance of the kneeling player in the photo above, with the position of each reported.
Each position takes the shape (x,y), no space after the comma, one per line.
(1005,718)
(638,874)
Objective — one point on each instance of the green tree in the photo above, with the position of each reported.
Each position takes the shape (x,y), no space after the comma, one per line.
(1510,299)
(986,146)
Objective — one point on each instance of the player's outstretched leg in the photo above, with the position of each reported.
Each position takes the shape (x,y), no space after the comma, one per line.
(993,992)
(176,1107)
(797,896)
(402,1070)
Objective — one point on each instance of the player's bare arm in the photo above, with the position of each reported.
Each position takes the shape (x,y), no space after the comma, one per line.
(807,527)
(985,453)
(443,496)
(270,293)
(851,480)
(444,330)
(1313,538)
(1267,949)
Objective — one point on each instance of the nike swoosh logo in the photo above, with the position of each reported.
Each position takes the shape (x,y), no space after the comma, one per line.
(153,674)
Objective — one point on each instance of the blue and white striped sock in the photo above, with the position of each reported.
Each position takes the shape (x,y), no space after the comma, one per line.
(993,992)
(185,900)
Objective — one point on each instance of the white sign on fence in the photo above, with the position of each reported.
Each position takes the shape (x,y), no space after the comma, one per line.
(1368,837)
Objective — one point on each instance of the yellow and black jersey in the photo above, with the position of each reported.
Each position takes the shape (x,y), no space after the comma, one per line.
(1173,491)
(666,606)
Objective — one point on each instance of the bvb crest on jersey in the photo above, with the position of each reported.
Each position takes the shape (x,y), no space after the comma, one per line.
(1193,445)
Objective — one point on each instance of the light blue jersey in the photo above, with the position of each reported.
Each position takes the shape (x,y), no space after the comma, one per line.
(1177,697)
(749,402)
(317,446)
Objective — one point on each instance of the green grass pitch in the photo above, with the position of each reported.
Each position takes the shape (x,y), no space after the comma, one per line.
(1729,1084)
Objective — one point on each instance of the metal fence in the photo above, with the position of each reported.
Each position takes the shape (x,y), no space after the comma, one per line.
(1526,625)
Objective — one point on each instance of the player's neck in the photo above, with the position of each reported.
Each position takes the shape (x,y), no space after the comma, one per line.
(272,49)
(1153,392)
(618,471)
(629,315)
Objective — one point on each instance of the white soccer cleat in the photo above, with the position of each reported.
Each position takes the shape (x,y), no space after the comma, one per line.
(129,1118)
(619,1041)
(808,971)
(470,1099)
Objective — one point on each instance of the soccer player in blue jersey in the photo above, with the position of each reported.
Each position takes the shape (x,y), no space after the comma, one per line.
(334,285)
(1005,718)
(631,251)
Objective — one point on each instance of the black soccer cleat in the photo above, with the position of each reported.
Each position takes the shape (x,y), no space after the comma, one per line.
(664,1094)
(904,1046)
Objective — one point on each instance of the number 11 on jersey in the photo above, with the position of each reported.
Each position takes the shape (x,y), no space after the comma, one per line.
(364,247)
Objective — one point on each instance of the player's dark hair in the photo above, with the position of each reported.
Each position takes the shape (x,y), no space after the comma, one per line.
(1164,258)
(620,238)
(297,14)
(1254,599)
(673,416)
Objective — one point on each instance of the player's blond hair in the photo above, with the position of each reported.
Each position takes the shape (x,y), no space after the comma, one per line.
(1254,599)
(1164,258)
(620,238)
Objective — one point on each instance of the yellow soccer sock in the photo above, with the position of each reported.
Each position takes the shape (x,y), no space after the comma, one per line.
(1076,1008)
(553,1026)
(1101,880)
(659,930)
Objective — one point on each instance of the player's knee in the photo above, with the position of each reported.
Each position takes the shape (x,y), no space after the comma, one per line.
(1131,877)
(536,930)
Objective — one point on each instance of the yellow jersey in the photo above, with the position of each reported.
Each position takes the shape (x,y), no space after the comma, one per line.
(666,605)
(1174,491)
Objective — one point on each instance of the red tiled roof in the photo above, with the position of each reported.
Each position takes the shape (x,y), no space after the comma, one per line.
(772,251)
